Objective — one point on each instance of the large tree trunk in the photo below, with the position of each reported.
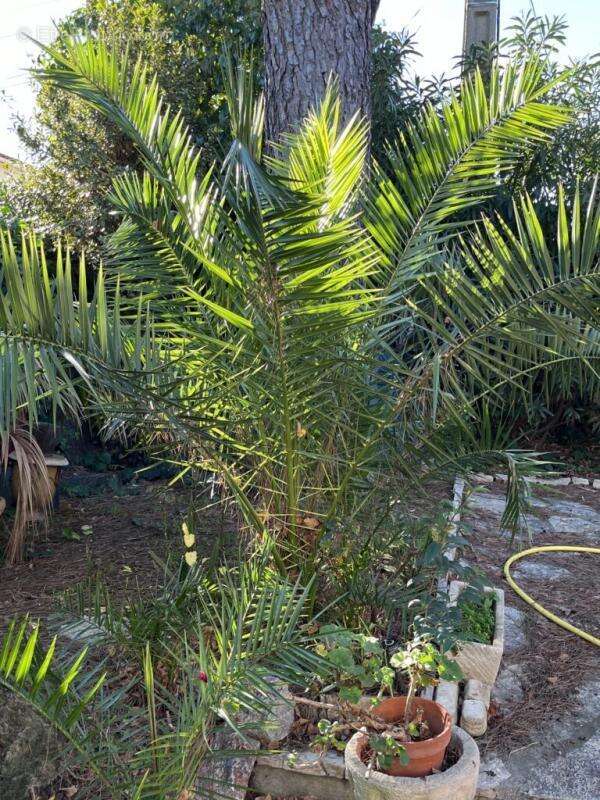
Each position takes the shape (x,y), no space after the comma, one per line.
(305,42)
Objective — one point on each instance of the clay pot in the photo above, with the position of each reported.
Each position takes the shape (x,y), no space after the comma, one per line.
(425,756)
(458,782)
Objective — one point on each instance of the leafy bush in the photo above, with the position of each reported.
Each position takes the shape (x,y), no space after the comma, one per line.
(76,152)
(357,661)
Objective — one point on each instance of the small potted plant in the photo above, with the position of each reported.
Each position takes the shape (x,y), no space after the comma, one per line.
(408,734)
(426,725)
(406,758)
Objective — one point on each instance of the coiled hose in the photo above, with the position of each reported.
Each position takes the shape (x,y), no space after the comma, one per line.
(533,603)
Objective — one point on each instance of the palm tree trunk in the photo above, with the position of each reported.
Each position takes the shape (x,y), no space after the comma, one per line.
(306,42)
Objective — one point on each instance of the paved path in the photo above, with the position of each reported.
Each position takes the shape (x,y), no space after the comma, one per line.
(561,760)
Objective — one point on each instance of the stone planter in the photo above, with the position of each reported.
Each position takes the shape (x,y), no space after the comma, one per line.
(459,782)
(478,661)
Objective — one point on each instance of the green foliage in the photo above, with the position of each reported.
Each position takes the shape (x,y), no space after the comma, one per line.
(328,737)
(321,344)
(357,662)
(385,749)
(389,576)
(140,704)
(478,619)
(396,95)
(425,663)
(255,324)
(572,156)
(77,152)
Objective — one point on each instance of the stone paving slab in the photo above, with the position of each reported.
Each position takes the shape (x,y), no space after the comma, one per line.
(563,765)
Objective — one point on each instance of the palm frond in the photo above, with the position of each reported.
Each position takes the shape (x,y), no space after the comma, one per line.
(61,693)
(451,161)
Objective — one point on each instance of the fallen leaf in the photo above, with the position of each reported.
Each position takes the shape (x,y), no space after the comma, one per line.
(493,711)
(70,791)
(310,522)
(553,679)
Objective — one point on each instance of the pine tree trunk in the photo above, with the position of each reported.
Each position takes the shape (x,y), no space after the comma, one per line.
(305,42)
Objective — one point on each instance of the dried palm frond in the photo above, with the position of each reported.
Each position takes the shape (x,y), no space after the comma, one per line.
(35,489)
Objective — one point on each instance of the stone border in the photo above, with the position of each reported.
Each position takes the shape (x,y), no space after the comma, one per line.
(591,483)
(326,778)
(307,775)
(458,490)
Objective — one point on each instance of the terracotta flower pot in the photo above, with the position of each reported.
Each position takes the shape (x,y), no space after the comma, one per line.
(425,756)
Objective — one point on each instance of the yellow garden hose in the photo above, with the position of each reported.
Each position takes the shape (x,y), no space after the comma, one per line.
(539,608)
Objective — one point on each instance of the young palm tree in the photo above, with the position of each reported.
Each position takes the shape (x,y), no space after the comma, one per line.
(306,333)
(140,734)
(279,323)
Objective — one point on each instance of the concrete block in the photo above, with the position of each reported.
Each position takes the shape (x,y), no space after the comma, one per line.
(478,478)
(307,775)
(476,702)
(477,660)
(446,694)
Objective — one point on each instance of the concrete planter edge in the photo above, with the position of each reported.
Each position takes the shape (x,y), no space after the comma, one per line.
(457,783)
(478,661)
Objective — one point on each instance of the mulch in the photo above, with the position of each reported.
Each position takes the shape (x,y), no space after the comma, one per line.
(555,662)
(129,530)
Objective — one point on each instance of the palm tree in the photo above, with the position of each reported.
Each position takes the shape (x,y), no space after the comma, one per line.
(278,322)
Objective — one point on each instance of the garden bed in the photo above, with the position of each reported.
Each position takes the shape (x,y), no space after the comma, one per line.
(127,528)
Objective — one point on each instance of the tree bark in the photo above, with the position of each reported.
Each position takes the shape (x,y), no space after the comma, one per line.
(305,42)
